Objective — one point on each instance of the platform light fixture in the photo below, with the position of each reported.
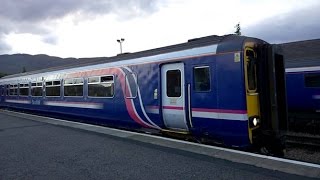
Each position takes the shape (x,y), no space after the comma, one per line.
(120,41)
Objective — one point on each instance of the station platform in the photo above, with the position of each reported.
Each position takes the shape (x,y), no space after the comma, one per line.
(34,147)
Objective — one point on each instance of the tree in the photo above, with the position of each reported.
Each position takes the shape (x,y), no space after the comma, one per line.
(2,74)
(24,69)
(238,29)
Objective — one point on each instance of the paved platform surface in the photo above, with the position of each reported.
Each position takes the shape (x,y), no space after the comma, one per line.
(31,148)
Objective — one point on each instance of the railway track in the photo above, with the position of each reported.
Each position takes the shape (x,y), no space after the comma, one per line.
(301,139)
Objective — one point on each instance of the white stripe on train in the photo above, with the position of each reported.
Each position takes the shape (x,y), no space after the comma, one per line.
(18,101)
(209,115)
(75,104)
(303,69)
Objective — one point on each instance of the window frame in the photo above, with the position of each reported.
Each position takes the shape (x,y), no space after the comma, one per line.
(14,87)
(52,85)
(36,86)
(194,79)
(247,71)
(181,90)
(2,90)
(24,87)
(99,79)
(99,82)
(7,89)
(73,84)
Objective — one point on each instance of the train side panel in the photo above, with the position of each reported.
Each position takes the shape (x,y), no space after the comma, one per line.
(232,98)
(301,97)
(220,113)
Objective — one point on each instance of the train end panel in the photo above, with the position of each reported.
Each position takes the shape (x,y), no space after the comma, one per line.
(272,99)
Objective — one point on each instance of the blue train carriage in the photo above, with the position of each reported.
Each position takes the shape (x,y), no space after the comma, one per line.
(303,94)
(226,89)
(303,85)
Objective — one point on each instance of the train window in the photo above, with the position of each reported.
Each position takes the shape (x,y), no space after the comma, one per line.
(201,79)
(93,79)
(73,87)
(24,89)
(36,89)
(49,83)
(53,88)
(251,70)
(13,90)
(55,83)
(101,86)
(68,81)
(131,85)
(312,80)
(8,89)
(78,81)
(107,79)
(173,83)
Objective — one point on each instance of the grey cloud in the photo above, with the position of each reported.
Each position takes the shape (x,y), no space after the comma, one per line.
(39,10)
(32,16)
(35,10)
(297,25)
(50,39)
(4,47)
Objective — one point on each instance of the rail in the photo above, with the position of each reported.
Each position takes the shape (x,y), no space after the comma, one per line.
(301,139)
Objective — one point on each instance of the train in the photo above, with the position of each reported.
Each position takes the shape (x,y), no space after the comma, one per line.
(303,93)
(229,90)
(302,63)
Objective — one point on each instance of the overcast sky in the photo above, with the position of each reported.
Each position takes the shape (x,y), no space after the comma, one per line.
(90,28)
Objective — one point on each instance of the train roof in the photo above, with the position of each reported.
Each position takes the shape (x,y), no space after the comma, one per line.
(302,53)
(192,43)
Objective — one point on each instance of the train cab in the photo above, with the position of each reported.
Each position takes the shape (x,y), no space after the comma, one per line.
(265,94)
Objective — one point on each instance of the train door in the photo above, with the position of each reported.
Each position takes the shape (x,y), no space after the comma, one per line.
(173,96)
(253,104)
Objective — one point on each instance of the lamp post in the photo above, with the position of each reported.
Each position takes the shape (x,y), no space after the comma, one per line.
(120,41)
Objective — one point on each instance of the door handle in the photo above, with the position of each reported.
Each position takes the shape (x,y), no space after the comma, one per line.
(189,105)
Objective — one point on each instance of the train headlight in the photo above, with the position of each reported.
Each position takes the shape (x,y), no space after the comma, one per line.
(254,121)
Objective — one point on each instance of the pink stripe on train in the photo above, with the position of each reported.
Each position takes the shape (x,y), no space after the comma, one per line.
(225,114)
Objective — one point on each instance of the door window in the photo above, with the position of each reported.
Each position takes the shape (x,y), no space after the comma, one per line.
(251,70)
(173,83)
